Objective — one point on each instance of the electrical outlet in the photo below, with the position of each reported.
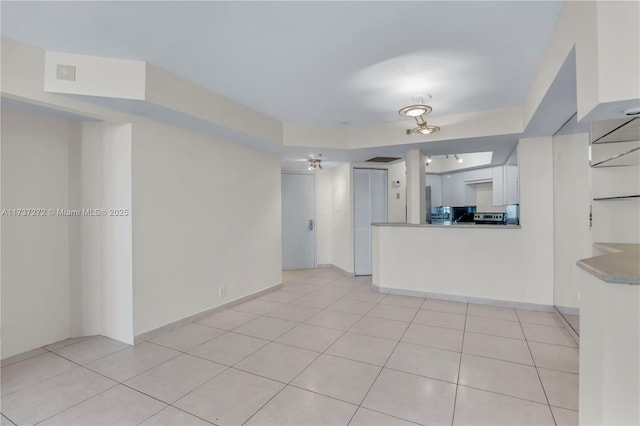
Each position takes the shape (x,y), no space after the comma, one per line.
(222,291)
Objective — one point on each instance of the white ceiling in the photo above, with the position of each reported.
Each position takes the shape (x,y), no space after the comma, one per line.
(322,63)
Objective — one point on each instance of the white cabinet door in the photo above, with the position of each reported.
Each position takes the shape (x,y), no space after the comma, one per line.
(370,206)
(453,190)
(511,185)
(435,182)
(498,186)
(475,176)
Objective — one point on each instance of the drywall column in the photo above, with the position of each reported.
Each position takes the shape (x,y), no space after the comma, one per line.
(571,199)
(105,303)
(415,187)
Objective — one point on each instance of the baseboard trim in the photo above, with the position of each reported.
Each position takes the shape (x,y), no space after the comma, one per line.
(565,310)
(337,268)
(568,310)
(468,299)
(200,315)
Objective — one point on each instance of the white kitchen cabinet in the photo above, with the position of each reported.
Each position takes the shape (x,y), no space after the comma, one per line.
(511,185)
(478,175)
(435,182)
(498,186)
(453,193)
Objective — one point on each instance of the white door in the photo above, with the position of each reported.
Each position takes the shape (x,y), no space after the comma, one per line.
(298,221)
(369,206)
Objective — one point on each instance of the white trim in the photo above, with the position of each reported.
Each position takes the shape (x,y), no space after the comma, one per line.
(568,310)
(200,315)
(336,268)
(567,326)
(456,298)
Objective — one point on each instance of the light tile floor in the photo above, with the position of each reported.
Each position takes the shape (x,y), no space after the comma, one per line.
(324,350)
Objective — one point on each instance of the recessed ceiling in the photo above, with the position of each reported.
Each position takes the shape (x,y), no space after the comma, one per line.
(322,63)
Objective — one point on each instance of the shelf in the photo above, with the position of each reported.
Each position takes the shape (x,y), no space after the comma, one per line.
(622,158)
(618,198)
(624,130)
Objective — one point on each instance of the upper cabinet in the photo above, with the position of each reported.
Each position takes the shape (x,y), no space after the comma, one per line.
(459,189)
(435,182)
(506,184)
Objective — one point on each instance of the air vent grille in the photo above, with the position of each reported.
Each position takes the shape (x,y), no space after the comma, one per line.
(382,159)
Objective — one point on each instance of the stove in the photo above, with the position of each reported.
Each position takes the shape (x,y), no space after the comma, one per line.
(490,218)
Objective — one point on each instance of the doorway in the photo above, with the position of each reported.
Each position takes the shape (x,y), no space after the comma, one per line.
(298,221)
(369,206)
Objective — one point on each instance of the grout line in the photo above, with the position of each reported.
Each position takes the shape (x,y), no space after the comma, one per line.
(179,409)
(455,398)
(504,394)
(538,373)
(385,363)
(81,402)
(380,412)
(10,421)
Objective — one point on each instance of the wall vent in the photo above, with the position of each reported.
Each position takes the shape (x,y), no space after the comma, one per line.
(66,72)
(382,159)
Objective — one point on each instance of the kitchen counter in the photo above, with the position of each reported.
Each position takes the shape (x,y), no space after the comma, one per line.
(620,264)
(440,225)
(465,261)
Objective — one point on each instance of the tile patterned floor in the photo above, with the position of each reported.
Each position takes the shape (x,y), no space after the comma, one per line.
(324,350)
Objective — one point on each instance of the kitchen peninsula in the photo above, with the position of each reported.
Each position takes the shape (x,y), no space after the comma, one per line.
(610,335)
(499,264)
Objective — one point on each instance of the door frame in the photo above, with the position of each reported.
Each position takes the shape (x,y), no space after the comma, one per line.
(353,210)
(315,203)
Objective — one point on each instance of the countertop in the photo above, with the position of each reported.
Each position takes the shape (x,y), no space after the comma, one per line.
(621,264)
(438,225)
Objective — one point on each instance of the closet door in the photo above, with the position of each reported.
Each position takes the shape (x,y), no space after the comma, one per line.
(370,206)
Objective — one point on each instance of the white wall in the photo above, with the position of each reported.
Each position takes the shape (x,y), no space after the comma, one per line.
(96,76)
(206,214)
(117,288)
(103,297)
(342,229)
(324,217)
(416,184)
(397,196)
(571,200)
(35,250)
(618,50)
(495,263)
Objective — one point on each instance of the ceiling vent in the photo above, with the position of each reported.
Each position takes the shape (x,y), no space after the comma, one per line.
(382,159)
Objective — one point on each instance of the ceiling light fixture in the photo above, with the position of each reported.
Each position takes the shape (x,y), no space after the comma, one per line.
(458,159)
(429,159)
(417,111)
(314,163)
